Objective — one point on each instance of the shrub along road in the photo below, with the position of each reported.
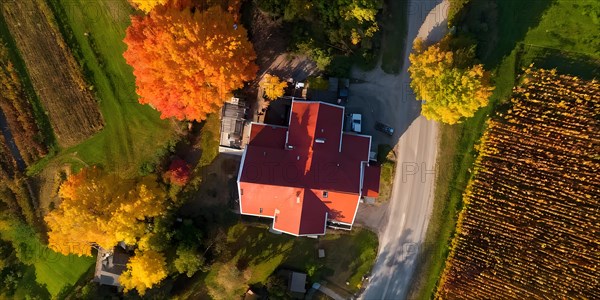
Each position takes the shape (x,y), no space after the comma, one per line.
(407,214)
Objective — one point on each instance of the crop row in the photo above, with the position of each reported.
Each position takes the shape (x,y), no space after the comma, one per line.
(532,217)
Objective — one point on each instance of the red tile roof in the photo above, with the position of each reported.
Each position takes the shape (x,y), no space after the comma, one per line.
(311,178)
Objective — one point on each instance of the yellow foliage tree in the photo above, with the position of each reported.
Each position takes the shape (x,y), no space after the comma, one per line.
(144,270)
(147,5)
(452,90)
(273,86)
(102,209)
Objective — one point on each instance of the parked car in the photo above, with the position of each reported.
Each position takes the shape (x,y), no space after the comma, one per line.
(356,122)
(384,128)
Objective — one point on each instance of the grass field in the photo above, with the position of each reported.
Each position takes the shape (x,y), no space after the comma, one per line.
(257,253)
(395,28)
(132,132)
(52,270)
(523,30)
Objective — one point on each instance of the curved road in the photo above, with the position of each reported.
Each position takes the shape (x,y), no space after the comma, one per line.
(391,100)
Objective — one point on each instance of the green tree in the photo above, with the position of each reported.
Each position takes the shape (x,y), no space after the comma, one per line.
(446,80)
(189,260)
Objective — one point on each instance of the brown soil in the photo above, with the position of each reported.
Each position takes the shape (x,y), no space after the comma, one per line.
(55,75)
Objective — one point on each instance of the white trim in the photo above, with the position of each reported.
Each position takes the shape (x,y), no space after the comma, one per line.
(301,235)
(369,152)
(321,102)
(357,134)
(340,222)
(362,178)
(240,178)
(325,226)
(355,211)
(257,215)
(287,135)
(342,128)
(269,125)
(291,110)
(340,228)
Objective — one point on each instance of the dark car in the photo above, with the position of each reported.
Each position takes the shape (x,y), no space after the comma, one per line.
(384,128)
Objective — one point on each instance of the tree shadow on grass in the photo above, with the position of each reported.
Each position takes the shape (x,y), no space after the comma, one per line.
(498,26)
(564,62)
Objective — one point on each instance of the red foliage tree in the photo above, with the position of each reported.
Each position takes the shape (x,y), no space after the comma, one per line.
(178,173)
(186,61)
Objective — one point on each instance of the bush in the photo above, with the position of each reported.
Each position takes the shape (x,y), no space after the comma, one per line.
(189,260)
(320,56)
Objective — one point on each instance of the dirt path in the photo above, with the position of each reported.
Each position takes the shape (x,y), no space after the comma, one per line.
(407,215)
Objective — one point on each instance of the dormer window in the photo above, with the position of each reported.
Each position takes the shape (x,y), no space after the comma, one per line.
(325,194)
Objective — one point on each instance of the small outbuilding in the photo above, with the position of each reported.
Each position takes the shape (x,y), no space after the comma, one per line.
(233,121)
(297,282)
(110,264)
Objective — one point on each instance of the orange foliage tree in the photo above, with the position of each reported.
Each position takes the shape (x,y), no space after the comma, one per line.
(187,62)
(102,209)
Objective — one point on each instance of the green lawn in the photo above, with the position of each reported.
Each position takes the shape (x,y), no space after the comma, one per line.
(394,28)
(524,32)
(132,132)
(52,270)
(386,157)
(256,254)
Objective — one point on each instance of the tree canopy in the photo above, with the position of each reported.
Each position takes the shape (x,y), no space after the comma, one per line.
(273,86)
(451,88)
(178,173)
(148,5)
(103,209)
(188,61)
(144,270)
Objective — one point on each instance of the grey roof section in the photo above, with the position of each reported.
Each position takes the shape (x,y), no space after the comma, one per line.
(297,282)
(233,118)
(110,265)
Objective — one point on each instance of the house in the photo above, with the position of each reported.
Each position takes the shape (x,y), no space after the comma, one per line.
(233,121)
(110,264)
(307,175)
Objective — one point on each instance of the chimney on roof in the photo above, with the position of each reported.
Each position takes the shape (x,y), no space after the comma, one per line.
(298,197)
(320,141)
